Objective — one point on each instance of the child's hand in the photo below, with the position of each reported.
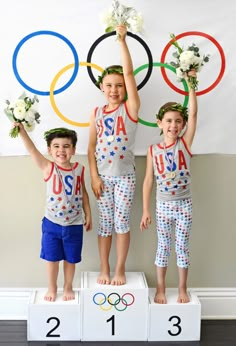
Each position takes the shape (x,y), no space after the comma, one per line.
(19,125)
(121,32)
(191,73)
(97,187)
(88,223)
(145,222)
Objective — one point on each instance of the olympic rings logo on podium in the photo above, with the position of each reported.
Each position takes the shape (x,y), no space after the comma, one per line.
(120,303)
(89,64)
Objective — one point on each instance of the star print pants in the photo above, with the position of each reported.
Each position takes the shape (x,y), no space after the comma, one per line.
(177,215)
(115,204)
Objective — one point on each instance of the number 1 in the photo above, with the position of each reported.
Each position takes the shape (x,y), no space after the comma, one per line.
(112,319)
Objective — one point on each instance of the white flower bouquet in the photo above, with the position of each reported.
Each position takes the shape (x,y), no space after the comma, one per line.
(187,60)
(21,111)
(120,14)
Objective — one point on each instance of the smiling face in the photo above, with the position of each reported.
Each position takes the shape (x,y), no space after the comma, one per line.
(114,89)
(61,150)
(171,124)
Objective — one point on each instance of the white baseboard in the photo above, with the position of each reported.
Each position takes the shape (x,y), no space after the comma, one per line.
(216,303)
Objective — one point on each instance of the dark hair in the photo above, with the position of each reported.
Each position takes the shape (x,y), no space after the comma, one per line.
(60,132)
(113,69)
(173,106)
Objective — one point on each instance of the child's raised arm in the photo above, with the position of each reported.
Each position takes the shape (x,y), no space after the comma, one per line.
(192,118)
(41,161)
(133,101)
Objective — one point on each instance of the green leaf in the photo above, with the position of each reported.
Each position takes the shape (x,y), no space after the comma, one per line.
(109,29)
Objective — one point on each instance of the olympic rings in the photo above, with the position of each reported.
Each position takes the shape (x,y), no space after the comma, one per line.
(222,70)
(115,302)
(45,32)
(147,123)
(143,43)
(149,66)
(52,93)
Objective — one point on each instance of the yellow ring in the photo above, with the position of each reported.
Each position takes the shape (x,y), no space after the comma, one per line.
(101,306)
(52,87)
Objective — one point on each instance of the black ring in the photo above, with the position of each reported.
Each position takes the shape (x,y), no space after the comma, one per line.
(139,39)
(115,300)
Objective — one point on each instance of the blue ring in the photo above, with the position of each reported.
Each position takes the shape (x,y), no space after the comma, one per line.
(95,297)
(45,32)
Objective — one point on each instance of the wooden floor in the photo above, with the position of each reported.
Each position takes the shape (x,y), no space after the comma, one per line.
(213,333)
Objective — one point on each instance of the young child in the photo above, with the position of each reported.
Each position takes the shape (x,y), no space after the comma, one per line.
(111,160)
(67,207)
(169,161)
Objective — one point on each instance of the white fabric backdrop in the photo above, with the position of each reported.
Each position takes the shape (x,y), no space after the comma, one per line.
(75,25)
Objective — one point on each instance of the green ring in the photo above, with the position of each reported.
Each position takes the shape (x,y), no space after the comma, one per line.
(159,64)
(118,301)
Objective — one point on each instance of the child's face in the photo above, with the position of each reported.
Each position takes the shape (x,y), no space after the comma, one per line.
(61,150)
(172,124)
(114,89)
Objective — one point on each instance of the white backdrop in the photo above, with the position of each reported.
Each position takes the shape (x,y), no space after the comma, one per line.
(43,43)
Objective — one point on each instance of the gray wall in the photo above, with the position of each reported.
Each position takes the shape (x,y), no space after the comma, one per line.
(213,237)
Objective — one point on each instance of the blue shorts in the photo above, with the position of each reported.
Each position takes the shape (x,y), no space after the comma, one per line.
(61,242)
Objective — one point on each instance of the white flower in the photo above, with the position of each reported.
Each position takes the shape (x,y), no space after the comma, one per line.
(185,66)
(186,57)
(30,116)
(197,60)
(179,73)
(19,103)
(19,112)
(108,20)
(135,23)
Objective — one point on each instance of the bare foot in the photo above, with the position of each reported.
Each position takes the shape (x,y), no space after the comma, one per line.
(160,296)
(118,280)
(68,294)
(104,279)
(51,295)
(183,296)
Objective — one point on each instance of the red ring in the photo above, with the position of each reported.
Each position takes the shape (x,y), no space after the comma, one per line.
(222,70)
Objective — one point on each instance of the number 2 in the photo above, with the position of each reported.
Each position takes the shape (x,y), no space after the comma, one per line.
(49,334)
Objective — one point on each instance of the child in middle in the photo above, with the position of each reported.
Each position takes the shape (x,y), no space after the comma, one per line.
(111,159)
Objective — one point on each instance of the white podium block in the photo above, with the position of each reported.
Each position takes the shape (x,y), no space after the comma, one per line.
(49,321)
(117,313)
(174,321)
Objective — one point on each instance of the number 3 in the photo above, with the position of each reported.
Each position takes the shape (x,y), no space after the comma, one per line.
(177,324)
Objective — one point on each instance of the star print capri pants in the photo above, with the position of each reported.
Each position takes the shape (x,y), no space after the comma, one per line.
(169,215)
(115,204)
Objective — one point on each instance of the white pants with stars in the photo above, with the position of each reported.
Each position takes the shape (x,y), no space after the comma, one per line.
(177,215)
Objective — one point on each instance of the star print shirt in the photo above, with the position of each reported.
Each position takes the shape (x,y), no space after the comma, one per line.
(64,195)
(116,131)
(172,170)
